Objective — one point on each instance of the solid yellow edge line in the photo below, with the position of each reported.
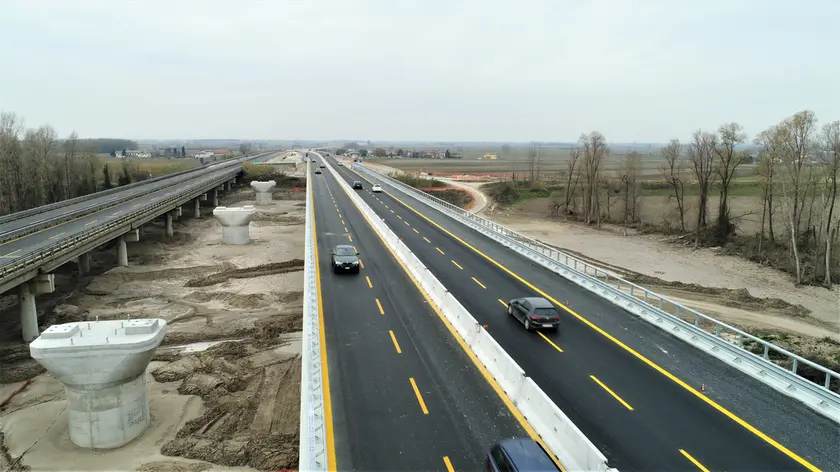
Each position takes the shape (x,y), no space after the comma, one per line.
(693,460)
(325,374)
(419,396)
(613,394)
(627,348)
(478,365)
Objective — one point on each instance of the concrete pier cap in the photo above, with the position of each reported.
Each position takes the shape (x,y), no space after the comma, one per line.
(102,366)
(263,191)
(235,223)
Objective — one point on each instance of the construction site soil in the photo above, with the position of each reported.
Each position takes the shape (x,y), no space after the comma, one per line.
(224,387)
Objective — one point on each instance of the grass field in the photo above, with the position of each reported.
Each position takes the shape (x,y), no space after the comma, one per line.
(154,166)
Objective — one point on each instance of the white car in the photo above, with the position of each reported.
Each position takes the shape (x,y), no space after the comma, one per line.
(376,188)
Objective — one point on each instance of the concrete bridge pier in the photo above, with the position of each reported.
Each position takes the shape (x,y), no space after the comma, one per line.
(263,191)
(44,283)
(169,231)
(197,208)
(122,248)
(235,222)
(215,195)
(84,263)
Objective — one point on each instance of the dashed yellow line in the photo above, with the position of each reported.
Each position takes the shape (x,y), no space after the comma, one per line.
(370,285)
(396,344)
(419,396)
(448,464)
(479,283)
(361,264)
(504,303)
(415,230)
(406,223)
(379,305)
(693,460)
(550,342)
(350,238)
(614,395)
(439,250)
(346,230)
(427,240)
(457,265)
(56,235)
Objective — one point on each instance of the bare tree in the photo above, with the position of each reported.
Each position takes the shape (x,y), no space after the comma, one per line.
(628,176)
(594,150)
(532,163)
(572,180)
(701,154)
(769,158)
(71,149)
(797,133)
(830,157)
(728,160)
(10,161)
(673,171)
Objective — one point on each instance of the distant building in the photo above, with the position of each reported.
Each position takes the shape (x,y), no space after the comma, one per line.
(134,153)
(491,156)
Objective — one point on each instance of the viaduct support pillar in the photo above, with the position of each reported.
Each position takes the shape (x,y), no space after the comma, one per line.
(84,263)
(215,195)
(169,231)
(263,191)
(197,208)
(235,223)
(44,283)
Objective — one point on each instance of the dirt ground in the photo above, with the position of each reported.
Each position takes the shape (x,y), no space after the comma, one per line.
(224,387)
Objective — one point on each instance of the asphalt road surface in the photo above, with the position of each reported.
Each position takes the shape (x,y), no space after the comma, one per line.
(11,250)
(615,376)
(404,394)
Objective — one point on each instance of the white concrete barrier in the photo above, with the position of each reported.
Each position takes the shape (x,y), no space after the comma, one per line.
(558,431)
(562,438)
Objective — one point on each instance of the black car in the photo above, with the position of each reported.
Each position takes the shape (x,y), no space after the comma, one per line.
(345,259)
(323,166)
(357,185)
(534,312)
(519,454)
(317,171)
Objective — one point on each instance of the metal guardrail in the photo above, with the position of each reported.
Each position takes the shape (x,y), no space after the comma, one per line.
(28,260)
(64,203)
(313,448)
(718,333)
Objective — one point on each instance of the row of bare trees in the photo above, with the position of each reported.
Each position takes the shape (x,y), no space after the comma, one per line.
(37,168)
(797,171)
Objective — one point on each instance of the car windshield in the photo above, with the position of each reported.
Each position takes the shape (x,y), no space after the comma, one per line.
(344,251)
(545,311)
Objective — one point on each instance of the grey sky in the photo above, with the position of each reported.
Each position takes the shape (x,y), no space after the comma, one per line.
(637,70)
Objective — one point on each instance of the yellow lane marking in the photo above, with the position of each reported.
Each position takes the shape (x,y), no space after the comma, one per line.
(415,230)
(479,283)
(549,341)
(398,216)
(693,460)
(91,222)
(368,281)
(343,223)
(137,205)
(504,303)
(448,464)
(355,250)
(419,397)
(427,240)
(438,249)
(614,395)
(350,238)
(362,264)
(11,254)
(457,265)
(116,213)
(345,230)
(386,205)
(633,352)
(392,211)
(325,376)
(339,215)
(379,305)
(396,344)
(465,347)
(56,235)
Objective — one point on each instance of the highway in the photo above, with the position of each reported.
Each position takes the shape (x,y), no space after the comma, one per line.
(13,249)
(403,394)
(631,388)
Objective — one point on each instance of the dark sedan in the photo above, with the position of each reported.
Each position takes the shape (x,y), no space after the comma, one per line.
(519,454)
(534,312)
(357,185)
(345,259)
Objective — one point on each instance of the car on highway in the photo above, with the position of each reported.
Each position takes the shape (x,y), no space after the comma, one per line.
(345,259)
(376,188)
(534,312)
(323,166)
(519,454)
(357,185)
(317,171)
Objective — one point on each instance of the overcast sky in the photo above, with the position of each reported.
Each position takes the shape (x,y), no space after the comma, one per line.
(636,70)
